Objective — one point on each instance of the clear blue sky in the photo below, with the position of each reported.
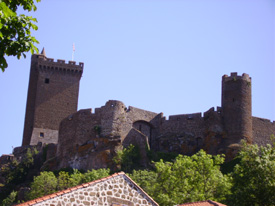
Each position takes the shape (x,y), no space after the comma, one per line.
(159,55)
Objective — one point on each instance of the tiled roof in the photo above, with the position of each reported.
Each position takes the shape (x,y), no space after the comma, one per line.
(41,199)
(203,203)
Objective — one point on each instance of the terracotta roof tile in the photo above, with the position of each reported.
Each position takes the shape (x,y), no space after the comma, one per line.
(203,203)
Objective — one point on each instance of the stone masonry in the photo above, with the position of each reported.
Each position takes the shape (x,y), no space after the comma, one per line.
(88,139)
(52,95)
(117,189)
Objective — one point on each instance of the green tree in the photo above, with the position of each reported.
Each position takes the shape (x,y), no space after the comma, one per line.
(64,181)
(95,175)
(10,200)
(76,177)
(147,180)
(254,177)
(15,30)
(44,184)
(47,182)
(187,179)
(128,158)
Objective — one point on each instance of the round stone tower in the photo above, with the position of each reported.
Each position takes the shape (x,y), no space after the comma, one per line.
(236,108)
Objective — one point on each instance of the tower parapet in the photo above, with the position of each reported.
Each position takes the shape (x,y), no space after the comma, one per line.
(45,64)
(234,76)
(236,107)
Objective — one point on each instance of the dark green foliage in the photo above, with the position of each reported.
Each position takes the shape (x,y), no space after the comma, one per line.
(228,167)
(128,158)
(15,30)
(95,175)
(16,173)
(45,183)
(10,200)
(157,156)
(254,177)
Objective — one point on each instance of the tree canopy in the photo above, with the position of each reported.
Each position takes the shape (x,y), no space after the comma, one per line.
(254,177)
(15,30)
(187,179)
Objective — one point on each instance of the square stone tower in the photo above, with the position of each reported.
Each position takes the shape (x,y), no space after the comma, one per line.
(52,96)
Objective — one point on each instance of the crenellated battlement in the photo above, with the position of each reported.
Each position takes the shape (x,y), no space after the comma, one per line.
(234,76)
(46,64)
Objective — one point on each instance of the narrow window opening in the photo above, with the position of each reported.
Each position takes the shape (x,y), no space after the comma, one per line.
(233,100)
(47,80)
(41,134)
(139,128)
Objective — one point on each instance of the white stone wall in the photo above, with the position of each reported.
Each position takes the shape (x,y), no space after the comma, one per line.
(115,190)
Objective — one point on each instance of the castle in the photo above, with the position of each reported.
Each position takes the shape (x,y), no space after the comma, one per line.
(88,139)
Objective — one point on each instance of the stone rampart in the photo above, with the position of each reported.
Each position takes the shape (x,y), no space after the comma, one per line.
(187,123)
(262,130)
(100,133)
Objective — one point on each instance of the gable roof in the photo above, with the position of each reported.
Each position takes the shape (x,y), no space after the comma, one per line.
(134,186)
(203,203)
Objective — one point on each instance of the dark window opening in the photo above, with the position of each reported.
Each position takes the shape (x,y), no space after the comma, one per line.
(41,134)
(139,128)
(47,80)
(233,100)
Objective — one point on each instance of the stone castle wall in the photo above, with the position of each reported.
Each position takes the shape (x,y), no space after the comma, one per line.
(82,144)
(187,134)
(262,131)
(88,140)
(100,133)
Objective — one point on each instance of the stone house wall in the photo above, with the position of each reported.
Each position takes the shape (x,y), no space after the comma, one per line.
(117,189)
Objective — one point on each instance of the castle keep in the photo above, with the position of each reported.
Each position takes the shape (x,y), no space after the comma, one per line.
(52,95)
(89,139)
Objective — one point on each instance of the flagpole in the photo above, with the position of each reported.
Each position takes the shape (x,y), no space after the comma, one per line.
(73,52)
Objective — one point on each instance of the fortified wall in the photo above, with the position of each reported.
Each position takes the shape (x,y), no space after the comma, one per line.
(89,139)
